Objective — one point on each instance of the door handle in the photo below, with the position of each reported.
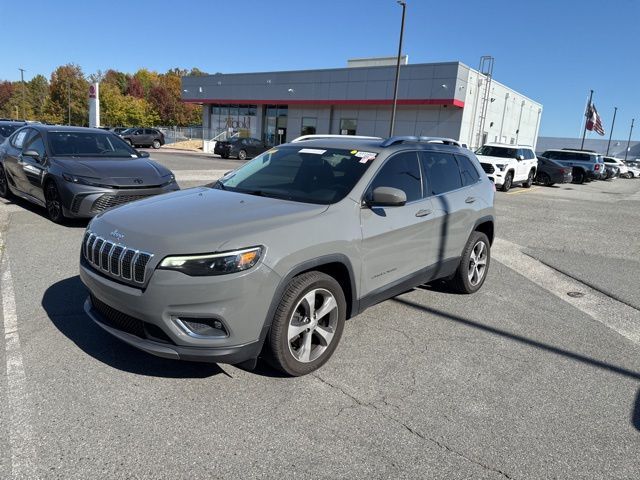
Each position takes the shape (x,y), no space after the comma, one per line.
(470,199)
(423,213)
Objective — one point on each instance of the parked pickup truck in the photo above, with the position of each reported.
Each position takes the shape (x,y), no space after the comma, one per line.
(586,164)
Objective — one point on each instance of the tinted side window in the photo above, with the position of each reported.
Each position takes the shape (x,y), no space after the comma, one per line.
(468,172)
(401,171)
(528,154)
(20,137)
(442,172)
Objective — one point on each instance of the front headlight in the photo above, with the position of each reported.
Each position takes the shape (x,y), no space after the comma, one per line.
(76,179)
(214,263)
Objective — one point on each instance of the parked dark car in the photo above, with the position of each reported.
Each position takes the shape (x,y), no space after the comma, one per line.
(551,172)
(119,130)
(241,148)
(7,127)
(143,137)
(76,171)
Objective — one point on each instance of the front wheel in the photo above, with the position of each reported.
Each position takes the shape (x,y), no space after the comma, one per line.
(53,202)
(4,184)
(578,177)
(474,265)
(156,144)
(508,181)
(544,179)
(308,324)
(242,155)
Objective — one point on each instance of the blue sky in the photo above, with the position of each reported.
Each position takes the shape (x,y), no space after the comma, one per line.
(551,51)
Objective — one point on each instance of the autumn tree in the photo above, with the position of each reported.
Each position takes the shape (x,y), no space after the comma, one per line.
(68,92)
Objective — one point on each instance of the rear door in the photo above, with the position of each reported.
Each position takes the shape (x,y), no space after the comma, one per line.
(395,240)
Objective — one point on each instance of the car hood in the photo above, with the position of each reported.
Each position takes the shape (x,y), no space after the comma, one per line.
(122,172)
(200,220)
(494,160)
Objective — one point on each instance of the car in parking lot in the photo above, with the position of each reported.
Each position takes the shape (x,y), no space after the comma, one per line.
(143,137)
(281,251)
(7,127)
(508,165)
(550,172)
(77,171)
(585,164)
(633,168)
(241,148)
(623,171)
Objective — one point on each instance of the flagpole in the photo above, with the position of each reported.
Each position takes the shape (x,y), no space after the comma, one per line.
(615,110)
(629,141)
(584,132)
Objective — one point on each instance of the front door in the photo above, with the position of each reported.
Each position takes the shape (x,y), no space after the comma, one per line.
(34,170)
(13,162)
(395,239)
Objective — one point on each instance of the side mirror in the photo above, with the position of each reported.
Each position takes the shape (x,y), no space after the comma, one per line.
(143,154)
(31,153)
(519,157)
(387,197)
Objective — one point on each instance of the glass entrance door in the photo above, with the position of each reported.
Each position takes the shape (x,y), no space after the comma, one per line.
(275,124)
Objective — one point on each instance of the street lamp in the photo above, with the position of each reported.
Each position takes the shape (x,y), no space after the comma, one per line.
(629,141)
(403,3)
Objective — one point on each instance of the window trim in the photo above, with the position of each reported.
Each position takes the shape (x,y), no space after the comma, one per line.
(363,199)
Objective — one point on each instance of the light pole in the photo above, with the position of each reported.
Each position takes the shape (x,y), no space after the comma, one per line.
(69,99)
(403,3)
(22,70)
(629,141)
(615,110)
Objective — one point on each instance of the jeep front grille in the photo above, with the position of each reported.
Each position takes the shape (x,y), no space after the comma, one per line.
(114,259)
(488,168)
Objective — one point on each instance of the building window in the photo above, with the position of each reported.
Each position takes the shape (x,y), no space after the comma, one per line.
(308,126)
(348,126)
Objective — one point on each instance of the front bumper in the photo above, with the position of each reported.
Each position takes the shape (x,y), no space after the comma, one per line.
(240,301)
(85,201)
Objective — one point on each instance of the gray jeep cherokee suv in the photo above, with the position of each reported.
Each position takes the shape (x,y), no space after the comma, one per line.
(276,255)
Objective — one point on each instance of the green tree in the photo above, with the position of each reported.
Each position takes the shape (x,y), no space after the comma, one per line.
(38,94)
(68,87)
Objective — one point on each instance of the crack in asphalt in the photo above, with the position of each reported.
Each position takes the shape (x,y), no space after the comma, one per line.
(443,446)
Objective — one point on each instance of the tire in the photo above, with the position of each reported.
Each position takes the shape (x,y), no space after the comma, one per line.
(544,179)
(242,155)
(508,182)
(630,175)
(5,192)
(463,280)
(53,202)
(224,156)
(529,180)
(156,144)
(298,350)
(578,176)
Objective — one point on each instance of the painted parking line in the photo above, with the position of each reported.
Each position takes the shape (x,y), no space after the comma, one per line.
(616,315)
(523,190)
(18,405)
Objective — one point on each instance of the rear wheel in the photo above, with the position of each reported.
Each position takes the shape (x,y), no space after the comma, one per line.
(530,178)
(242,155)
(4,184)
(544,179)
(474,265)
(578,176)
(508,181)
(630,175)
(156,144)
(53,202)
(308,324)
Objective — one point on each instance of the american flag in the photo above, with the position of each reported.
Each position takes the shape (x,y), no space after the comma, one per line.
(593,120)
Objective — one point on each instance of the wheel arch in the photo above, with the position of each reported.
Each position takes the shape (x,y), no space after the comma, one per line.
(486,225)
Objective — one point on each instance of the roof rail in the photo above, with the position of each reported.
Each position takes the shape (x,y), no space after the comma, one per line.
(580,150)
(318,137)
(401,139)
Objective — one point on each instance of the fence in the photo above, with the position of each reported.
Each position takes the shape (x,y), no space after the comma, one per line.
(208,136)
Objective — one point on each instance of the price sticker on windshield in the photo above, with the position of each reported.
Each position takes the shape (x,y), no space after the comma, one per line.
(364,156)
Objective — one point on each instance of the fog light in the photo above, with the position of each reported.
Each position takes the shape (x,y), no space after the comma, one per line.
(202,327)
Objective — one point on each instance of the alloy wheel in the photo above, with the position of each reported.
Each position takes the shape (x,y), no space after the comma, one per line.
(312,325)
(54,206)
(477,263)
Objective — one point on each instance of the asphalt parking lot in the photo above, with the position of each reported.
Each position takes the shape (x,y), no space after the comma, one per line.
(520,380)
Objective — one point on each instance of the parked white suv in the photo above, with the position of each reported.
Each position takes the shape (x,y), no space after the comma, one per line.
(507,165)
(616,162)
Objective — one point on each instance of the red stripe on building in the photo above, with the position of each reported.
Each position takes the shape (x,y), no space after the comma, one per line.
(289,101)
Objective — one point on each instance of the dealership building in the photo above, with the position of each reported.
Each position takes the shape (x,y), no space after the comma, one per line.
(434,99)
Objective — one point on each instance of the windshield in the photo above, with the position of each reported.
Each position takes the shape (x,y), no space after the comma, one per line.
(6,130)
(89,144)
(501,152)
(310,175)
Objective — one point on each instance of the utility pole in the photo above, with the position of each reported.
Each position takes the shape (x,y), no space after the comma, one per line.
(615,110)
(403,3)
(584,132)
(22,70)
(69,102)
(629,141)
